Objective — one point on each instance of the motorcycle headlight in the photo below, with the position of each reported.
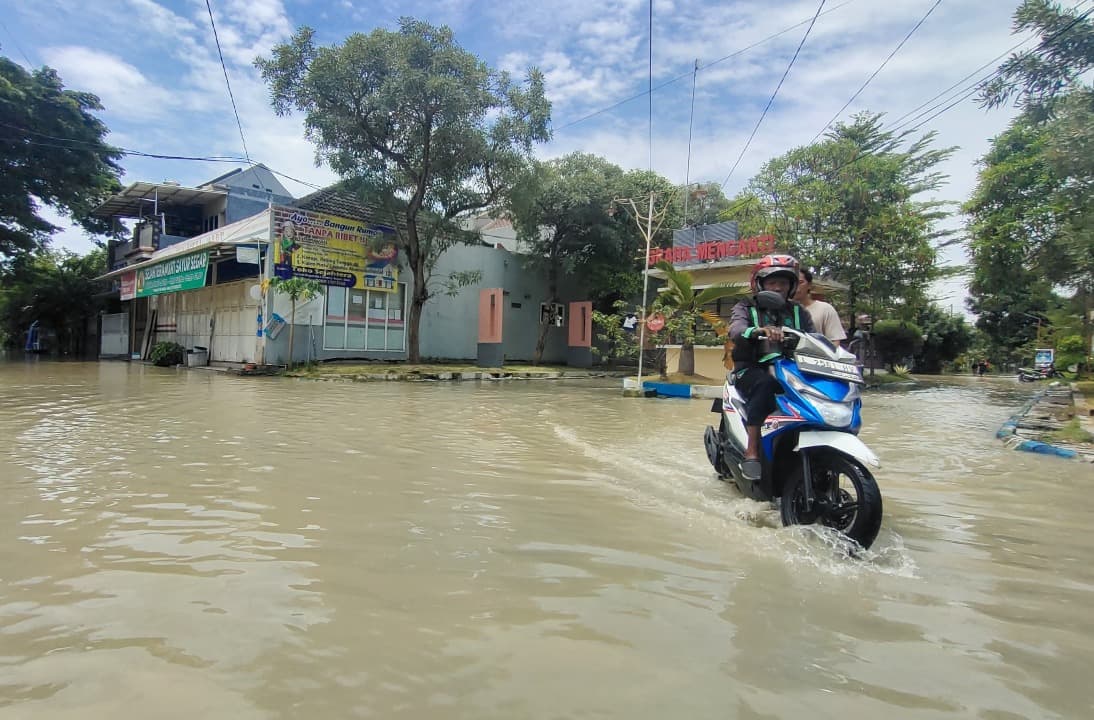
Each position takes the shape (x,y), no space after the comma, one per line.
(833,412)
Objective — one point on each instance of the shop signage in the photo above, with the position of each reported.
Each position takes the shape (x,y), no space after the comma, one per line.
(334,250)
(128,286)
(714,250)
(185,272)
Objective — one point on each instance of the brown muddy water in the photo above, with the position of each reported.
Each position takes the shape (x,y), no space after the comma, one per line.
(179,544)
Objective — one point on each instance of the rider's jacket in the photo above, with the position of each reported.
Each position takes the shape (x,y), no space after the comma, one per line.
(746,321)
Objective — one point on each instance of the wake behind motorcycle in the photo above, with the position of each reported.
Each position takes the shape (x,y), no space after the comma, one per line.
(814,464)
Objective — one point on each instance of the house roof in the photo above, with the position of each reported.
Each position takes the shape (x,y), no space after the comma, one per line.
(141,197)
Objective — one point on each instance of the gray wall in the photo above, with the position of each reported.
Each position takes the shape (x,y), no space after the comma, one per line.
(450,325)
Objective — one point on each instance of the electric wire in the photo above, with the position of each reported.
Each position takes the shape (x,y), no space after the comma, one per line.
(224,67)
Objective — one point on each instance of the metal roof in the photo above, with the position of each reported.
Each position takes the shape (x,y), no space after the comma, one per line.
(138,199)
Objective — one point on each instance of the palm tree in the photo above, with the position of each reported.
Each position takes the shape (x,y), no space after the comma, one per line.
(681,297)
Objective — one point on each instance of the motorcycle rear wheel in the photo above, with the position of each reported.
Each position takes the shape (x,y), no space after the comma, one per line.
(846,497)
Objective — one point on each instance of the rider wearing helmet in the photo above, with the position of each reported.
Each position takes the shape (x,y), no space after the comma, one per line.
(752,355)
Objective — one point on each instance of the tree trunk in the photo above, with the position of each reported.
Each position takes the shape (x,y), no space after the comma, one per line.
(417,262)
(552,297)
(687,359)
(292,331)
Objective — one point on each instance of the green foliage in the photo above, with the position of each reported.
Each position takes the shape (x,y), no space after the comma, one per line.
(683,306)
(1038,77)
(848,207)
(73,176)
(297,289)
(56,288)
(617,342)
(1011,214)
(1043,168)
(166,354)
(426,125)
(896,340)
(947,337)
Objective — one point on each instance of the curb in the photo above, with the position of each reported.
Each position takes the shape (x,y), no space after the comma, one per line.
(1008,433)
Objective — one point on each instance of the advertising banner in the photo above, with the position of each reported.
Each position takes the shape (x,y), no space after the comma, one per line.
(129,286)
(185,272)
(334,250)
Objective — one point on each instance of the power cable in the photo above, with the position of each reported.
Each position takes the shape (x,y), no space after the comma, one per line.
(16,43)
(777,87)
(927,106)
(711,64)
(223,67)
(966,92)
(879,69)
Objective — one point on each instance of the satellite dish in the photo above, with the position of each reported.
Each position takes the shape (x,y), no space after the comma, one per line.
(255,292)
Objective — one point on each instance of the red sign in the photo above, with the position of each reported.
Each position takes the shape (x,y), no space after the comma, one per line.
(714,250)
(656,322)
(129,286)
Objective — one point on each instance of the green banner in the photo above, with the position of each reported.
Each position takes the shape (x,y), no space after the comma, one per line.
(186,272)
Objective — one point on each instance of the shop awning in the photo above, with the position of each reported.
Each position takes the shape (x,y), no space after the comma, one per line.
(140,199)
(220,243)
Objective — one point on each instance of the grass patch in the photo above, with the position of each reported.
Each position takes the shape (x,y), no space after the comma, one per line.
(1071,432)
(1086,387)
(885,378)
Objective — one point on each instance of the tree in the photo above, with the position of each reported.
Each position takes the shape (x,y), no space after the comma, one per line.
(896,340)
(55,287)
(1036,78)
(849,206)
(298,290)
(414,116)
(563,212)
(945,338)
(685,305)
(1047,82)
(52,151)
(1011,213)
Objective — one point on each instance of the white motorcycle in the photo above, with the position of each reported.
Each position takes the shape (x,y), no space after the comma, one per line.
(813,461)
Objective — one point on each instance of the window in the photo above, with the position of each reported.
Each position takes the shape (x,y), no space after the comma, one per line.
(364,319)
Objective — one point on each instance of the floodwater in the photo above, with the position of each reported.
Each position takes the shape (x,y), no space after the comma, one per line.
(179,544)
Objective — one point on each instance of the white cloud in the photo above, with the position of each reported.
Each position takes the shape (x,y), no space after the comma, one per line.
(123,89)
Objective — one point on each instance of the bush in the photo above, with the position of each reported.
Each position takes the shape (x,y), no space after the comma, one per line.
(896,341)
(166,354)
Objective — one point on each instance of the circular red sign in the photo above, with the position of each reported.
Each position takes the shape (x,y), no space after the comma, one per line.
(656,322)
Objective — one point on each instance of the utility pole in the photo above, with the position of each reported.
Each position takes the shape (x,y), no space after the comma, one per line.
(648,231)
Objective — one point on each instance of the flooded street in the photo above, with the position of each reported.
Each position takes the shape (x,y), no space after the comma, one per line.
(182,544)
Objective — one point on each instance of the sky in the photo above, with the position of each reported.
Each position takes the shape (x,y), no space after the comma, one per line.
(156,68)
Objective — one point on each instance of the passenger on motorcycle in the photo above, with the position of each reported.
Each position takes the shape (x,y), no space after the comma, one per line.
(752,355)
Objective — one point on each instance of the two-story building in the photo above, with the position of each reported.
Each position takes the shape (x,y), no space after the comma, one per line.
(197,267)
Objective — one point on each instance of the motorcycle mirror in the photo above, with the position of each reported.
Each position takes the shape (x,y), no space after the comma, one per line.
(770,300)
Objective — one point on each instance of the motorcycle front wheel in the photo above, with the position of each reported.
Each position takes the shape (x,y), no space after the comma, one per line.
(846,497)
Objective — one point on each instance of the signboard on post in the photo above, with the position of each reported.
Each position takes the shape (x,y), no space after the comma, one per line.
(334,250)
(185,272)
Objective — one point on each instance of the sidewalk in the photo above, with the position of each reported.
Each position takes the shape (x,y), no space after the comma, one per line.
(400,372)
(1056,421)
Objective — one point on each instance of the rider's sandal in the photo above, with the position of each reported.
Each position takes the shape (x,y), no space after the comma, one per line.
(752,470)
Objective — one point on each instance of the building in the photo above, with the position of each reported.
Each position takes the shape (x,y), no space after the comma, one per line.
(195,272)
(715,255)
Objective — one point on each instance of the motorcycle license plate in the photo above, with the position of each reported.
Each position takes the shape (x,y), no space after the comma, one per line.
(830,368)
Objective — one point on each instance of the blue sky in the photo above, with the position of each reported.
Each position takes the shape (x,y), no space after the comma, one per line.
(155,66)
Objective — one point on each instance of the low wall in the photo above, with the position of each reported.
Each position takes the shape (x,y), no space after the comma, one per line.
(710,360)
